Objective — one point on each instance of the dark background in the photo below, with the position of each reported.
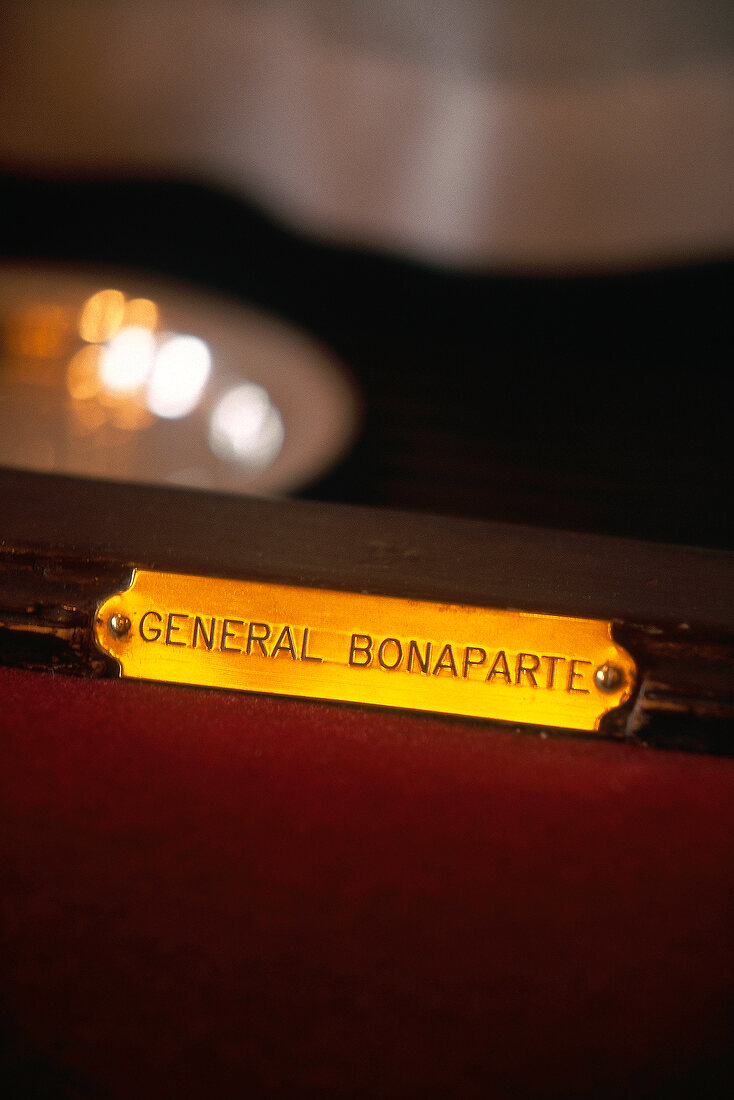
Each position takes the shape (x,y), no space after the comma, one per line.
(586,402)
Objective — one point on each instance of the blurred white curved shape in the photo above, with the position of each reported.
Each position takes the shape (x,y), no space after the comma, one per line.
(180,372)
(246,427)
(127,360)
(535,134)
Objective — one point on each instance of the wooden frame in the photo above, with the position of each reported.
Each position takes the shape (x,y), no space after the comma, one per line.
(67,543)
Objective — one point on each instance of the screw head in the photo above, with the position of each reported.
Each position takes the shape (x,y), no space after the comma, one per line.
(119,624)
(608,677)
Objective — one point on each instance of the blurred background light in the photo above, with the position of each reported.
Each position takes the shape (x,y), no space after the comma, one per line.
(98,382)
(82,374)
(102,315)
(180,372)
(127,360)
(246,427)
(38,331)
(141,312)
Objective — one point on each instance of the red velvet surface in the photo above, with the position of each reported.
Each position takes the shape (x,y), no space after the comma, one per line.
(215,894)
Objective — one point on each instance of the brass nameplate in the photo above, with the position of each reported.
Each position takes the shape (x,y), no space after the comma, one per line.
(513,666)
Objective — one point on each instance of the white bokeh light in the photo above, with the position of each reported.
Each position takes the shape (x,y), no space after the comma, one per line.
(246,427)
(127,360)
(180,372)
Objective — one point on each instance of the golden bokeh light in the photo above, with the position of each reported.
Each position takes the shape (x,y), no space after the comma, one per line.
(85,417)
(38,332)
(102,315)
(111,399)
(130,417)
(82,373)
(142,313)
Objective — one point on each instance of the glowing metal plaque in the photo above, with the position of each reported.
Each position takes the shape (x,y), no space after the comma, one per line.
(513,666)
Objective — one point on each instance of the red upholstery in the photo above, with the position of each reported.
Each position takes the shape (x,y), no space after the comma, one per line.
(209,894)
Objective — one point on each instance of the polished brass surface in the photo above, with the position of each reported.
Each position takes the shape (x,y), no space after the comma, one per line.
(502,664)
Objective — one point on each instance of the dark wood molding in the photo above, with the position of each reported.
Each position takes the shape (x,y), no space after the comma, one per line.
(66,543)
